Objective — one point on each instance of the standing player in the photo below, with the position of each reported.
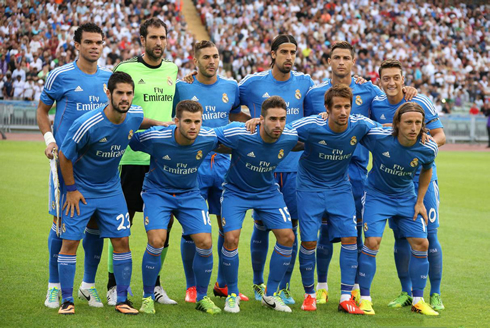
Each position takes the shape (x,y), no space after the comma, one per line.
(383,110)
(390,193)
(89,159)
(249,184)
(76,88)
(342,59)
(324,191)
(220,100)
(292,86)
(155,80)
(171,187)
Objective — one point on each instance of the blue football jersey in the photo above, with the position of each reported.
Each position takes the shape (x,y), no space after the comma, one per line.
(75,93)
(327,154)
(95,146)
(253,161)
(394,165)
(255,88)
(173,167)
(383,112)
(218,101)
(363,95)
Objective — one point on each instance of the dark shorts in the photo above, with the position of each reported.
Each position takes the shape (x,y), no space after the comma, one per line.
(132,177)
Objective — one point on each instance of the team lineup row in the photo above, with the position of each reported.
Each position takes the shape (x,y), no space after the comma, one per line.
(264,175)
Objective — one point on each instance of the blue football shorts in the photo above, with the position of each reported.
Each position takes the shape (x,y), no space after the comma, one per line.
(188,207)
(210,177)
(110,212)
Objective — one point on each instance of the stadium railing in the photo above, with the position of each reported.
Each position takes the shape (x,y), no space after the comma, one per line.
(21,116)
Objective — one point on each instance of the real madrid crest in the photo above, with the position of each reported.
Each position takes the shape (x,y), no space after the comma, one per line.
(281,154)
(147,220)
(63,228)
(225,98)
(130,135)
(297,94)
(358,100)
(105,87)
(414,162)
(53,205)
(169,81)
(199,154)
(223,221)
(365,226)
(353,140)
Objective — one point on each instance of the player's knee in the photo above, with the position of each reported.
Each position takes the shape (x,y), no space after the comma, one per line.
(419,244)
(156,240)
(349,240)
(120,245)
(286,238)
(231,240)
(204,242)
(69,246)
(372,243)
(308,244)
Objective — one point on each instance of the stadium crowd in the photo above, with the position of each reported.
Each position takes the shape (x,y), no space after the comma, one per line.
(37,36)
(444,46)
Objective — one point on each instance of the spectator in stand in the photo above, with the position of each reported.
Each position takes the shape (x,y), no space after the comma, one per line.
(19,87)
(8,88)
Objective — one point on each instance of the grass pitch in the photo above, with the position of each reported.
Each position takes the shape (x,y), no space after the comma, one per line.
(464,181)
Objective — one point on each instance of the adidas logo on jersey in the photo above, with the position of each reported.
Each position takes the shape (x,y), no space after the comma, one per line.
(322,142)
(141,82)
(251,154)
(194,98)
(266,95)
(103,139)
(78,89)
(383,117)
(387,154)
(166,157)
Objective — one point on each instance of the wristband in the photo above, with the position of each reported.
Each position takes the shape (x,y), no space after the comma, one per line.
(49,138)
(72,187)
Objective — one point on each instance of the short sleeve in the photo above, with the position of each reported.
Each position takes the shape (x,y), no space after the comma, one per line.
(230,135)
(54,88)
(236,107)
(76,138)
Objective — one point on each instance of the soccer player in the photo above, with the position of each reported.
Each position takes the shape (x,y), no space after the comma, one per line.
(76,88)
(383,110)
(342,59)
(249,184)
(220,100)
(89,159)
(324,191)
(155,80)
(390,193)
(292,86)
(171,187)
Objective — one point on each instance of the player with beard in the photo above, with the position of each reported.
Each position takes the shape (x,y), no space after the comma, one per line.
(154,79)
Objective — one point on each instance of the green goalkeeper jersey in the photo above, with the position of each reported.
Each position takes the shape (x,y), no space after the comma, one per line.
(154,89)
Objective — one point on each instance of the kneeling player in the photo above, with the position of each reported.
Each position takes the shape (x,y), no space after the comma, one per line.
(391,194)
(89,160)
(249,184)
(171,187)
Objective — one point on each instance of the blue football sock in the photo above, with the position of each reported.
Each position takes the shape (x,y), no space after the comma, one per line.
(348,267)
(402,252)
(123,268)
(307,268)
(259,246)
(419,270)
(367,269)
(93,246)
(280,261)
(188,251)
(150,267)
(435,263)
(203,267)
(54,247)
(67,265)
(286,280)
(220,279)
(230,263)
(324,253)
